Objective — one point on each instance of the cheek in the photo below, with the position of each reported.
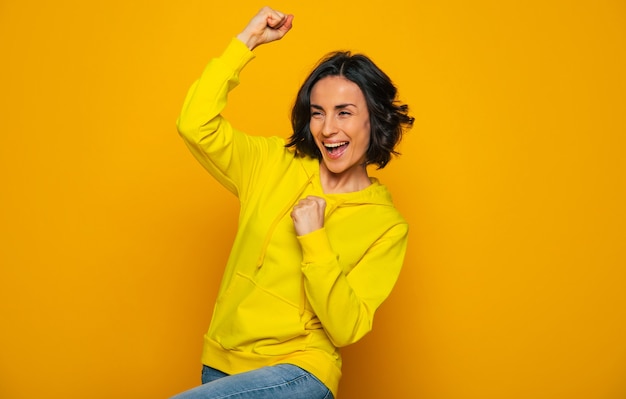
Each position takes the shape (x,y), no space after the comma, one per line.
(314,126)
(314,132)
(367,125)
(367,133)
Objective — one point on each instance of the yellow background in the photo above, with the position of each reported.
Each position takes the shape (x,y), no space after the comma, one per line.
(112,238)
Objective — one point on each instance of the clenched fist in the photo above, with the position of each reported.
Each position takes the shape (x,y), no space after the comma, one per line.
(268,25)
(308,215)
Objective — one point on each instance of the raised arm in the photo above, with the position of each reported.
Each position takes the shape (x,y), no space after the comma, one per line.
(225,152)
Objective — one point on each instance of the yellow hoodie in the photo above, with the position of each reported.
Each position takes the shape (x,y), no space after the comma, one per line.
(284,298)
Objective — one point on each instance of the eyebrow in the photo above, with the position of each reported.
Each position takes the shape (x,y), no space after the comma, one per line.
(338,106)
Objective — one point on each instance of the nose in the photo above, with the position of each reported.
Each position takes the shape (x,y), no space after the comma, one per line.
(330,127)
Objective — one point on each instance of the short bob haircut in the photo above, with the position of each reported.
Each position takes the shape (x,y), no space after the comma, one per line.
(388,118)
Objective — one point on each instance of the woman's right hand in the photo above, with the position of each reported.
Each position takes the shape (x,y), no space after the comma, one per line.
(267,26)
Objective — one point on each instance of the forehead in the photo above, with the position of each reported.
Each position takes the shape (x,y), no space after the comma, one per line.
(336,89)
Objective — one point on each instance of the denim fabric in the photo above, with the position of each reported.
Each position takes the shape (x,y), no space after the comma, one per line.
(283,381)
(210,374)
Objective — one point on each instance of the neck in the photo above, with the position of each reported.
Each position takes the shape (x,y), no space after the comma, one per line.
(349,181)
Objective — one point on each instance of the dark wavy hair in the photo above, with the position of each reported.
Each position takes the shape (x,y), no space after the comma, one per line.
(388,118)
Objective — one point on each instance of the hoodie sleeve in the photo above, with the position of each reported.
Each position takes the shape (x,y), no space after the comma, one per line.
(228,154)
(346,303)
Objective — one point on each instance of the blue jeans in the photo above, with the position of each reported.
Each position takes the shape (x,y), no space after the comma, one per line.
(283,381)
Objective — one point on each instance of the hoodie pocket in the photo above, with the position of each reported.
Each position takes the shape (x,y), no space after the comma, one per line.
(251,318)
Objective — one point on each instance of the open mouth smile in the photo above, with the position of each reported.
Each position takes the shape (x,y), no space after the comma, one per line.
(335,150)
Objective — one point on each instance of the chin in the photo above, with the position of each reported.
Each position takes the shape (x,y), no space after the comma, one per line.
(339,169)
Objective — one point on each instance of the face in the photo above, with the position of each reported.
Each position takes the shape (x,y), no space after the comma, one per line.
(340,125)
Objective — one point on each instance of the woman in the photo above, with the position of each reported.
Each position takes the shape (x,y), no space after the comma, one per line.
(319,244)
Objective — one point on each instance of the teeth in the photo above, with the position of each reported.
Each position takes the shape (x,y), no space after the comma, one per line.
(335,145)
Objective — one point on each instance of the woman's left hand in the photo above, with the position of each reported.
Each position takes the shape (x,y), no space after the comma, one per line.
(308,215)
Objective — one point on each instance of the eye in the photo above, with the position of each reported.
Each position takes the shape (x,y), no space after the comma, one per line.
(316,114)
(344,113)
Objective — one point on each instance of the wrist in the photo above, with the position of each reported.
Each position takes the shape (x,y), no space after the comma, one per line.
(247,39)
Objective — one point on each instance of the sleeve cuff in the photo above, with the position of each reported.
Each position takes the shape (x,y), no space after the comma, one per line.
(316,247)
(236,55)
